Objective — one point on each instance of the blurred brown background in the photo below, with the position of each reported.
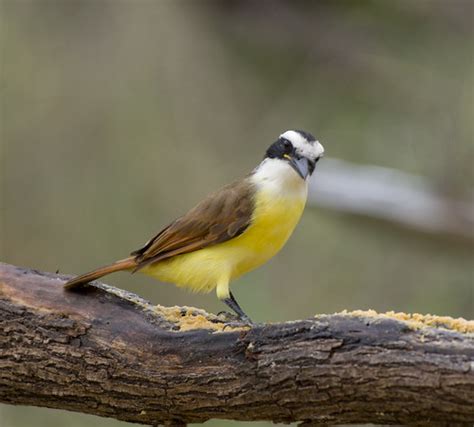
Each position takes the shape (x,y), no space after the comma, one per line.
(117,116)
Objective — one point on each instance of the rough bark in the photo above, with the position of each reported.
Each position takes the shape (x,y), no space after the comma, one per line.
(109,353)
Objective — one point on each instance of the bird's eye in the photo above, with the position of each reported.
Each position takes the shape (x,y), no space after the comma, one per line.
(287,145)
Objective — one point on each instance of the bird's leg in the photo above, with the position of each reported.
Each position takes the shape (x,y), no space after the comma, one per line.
(234,305)
(224,294)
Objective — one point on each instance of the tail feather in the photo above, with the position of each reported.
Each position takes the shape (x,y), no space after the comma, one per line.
(124,264)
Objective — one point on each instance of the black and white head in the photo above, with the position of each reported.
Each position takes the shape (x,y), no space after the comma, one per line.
(298,149)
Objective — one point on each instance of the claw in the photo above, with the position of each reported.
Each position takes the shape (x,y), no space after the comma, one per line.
(233,320)
(226,316)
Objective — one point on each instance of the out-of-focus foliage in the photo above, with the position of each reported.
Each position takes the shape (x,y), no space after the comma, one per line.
(117,116)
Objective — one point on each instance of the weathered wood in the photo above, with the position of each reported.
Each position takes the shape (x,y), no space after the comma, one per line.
(109,353)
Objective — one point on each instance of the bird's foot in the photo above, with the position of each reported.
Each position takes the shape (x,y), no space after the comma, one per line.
(234,320)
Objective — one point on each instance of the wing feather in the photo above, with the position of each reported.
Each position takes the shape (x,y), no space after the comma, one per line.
(219,217)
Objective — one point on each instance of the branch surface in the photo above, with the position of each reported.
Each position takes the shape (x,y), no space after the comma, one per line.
(107,352)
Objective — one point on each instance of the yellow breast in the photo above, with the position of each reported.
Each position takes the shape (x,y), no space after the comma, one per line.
(274,219)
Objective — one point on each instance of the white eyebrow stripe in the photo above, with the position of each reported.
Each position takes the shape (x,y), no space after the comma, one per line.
(305,148)
(294,137)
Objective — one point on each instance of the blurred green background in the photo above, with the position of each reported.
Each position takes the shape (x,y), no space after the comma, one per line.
(117,116)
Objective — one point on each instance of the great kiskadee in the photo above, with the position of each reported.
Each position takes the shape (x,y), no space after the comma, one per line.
(232,231)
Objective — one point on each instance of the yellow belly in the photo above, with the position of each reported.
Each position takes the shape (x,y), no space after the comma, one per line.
(274,220)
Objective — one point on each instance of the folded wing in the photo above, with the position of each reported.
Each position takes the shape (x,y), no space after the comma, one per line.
(219,217)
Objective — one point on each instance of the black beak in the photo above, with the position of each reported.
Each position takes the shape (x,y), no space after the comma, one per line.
(300,165)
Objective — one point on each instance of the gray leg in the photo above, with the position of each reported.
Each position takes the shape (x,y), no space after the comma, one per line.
(234,305)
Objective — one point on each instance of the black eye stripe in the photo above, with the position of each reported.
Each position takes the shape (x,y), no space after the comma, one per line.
(287,144)
(279,148)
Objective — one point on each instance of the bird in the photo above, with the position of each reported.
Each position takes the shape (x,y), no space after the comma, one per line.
(233,230)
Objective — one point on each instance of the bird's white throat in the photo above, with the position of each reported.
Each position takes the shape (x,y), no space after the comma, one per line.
(277,176)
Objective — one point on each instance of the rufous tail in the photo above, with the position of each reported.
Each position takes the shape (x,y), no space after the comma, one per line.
(124,264)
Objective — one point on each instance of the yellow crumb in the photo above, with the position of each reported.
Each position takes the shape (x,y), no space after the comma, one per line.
(417,320)
(186,318)
(190,318)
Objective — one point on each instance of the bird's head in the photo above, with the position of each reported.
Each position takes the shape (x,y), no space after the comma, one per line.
(299,149)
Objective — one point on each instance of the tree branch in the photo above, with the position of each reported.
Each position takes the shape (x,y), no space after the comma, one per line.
(109,353)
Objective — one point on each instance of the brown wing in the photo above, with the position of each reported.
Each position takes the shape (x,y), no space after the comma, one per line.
(219,217)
